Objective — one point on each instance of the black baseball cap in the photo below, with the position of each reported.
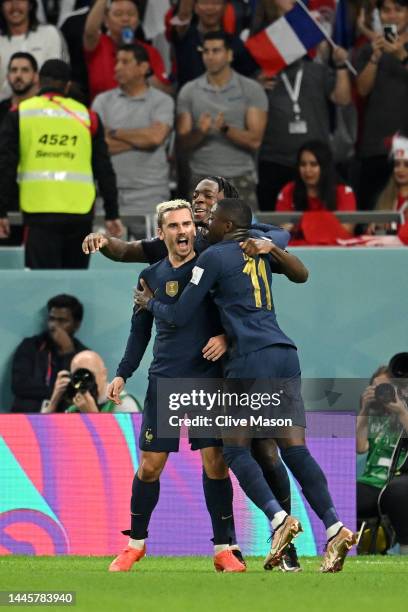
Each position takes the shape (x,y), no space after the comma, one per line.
(57,70)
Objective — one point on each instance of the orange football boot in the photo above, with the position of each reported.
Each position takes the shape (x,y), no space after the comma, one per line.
(125,560)
(226,561)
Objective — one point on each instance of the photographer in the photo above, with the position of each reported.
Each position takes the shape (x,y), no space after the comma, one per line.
(85,387)
(382,419)
(38,359)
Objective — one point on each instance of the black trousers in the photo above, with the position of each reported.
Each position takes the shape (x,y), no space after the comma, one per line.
(394,503)
(271,178)
(373,177)
(57,245)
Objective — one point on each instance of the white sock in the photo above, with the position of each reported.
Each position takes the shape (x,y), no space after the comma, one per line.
(403,549)
(278,519)
(333,529)
(234,547)
(220,547)
(138,544)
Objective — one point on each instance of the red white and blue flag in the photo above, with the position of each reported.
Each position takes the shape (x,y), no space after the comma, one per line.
(286,40)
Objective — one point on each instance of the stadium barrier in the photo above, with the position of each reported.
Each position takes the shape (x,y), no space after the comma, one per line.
(346,320)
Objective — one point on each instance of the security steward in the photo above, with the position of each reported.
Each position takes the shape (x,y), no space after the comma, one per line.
(54,147)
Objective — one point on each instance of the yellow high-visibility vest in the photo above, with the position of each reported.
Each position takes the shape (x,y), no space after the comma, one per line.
(55,170)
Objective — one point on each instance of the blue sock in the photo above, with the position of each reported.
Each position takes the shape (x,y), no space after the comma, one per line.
(313,482)
(218,498)
(277,477)
(145,496)
(251,479)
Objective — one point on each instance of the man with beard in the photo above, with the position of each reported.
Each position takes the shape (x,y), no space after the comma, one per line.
(38,359)
(190,353)
(22,76)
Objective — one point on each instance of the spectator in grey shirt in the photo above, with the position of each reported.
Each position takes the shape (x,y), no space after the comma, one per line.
(298,112)
(221,117)
(138,120)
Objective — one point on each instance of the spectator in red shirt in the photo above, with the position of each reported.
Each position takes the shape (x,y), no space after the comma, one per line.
(121,19)
(315,187)
(395,195)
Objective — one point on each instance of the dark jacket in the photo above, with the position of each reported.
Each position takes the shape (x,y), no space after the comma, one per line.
(35,366)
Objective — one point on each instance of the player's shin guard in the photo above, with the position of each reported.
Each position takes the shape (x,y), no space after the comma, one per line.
(312,480)
(145,496)
(251,479)
(218,498)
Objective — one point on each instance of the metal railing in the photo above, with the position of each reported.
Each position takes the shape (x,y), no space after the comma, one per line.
(276,218)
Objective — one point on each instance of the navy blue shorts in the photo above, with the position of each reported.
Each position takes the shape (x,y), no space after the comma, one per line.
(149,439)
(276,366)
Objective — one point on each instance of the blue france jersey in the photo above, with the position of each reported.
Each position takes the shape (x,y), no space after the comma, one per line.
(177,352)
(241,288)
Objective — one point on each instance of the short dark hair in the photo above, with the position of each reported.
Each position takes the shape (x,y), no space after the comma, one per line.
(219,35)
(32,18)
(24,55)
(404,3)
(139,52)
(67,301)
(236,211)
(55,73)
(56,69)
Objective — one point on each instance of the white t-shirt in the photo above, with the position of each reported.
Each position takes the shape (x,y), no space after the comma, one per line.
(44,43)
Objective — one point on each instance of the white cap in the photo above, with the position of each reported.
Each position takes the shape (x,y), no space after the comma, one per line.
(399,148)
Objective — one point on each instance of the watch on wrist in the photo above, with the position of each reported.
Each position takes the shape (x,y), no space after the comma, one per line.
(224,129)
(112,133)
(404,62)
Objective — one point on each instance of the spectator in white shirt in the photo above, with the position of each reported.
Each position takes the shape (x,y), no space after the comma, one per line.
(20,31)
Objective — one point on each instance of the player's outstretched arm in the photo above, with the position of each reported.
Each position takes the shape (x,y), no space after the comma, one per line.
(287,263)
(114,248)
(204,276)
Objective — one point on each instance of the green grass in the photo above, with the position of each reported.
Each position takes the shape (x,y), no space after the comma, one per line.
(190,584)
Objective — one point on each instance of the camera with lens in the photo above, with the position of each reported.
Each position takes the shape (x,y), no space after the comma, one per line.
(82,380)
(386,393)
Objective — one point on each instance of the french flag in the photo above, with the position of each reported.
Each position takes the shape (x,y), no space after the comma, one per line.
(286,40)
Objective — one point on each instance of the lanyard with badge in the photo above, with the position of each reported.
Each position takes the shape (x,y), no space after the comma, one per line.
(297,125)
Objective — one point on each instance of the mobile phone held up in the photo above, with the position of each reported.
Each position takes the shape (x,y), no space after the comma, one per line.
(390,32)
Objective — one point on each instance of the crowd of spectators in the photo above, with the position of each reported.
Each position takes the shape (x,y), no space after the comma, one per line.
(180,96)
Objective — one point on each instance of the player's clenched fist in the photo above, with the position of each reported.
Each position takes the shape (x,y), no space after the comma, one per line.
(94,242)
(141,297)
(115,388)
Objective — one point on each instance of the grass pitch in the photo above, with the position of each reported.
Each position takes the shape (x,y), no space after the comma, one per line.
(189,584)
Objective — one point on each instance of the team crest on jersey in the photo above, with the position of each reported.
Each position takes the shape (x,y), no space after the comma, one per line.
(148,435)
(172,288)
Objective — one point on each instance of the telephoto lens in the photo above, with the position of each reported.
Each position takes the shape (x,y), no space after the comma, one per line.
(385,393)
